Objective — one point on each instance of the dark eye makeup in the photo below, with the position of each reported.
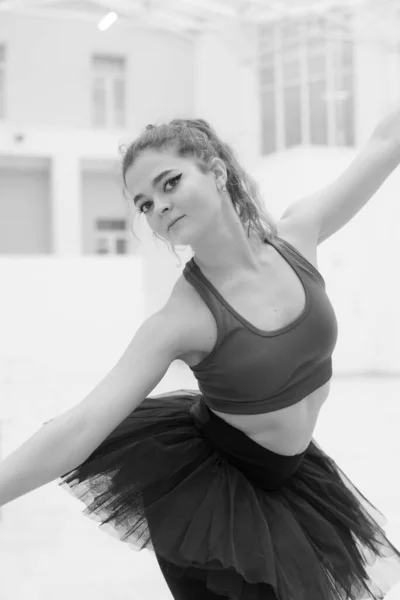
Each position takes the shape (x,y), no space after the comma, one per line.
(173,179)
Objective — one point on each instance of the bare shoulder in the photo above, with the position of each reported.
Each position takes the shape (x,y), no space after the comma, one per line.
(179,329)
(198,326)
(302,237)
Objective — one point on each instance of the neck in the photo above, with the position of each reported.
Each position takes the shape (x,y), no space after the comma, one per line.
(226,255)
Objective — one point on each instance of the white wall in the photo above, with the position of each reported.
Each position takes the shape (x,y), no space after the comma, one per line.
(25,206)
(226,87)
(49,76)
(56,312)
(377,72)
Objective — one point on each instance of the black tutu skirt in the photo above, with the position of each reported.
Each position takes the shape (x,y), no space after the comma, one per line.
(210,502)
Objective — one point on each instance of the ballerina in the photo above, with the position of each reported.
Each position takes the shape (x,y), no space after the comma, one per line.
(226,484)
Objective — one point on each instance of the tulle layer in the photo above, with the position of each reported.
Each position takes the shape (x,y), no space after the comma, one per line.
(211,502)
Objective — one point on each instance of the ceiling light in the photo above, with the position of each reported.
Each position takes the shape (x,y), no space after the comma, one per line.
(107,21)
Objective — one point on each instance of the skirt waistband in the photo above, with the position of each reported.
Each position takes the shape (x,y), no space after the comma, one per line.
(258,463)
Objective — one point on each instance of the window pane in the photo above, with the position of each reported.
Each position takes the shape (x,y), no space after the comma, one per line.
(266,59)
(267,76)
(317,65)
(110,224)
(102,246)
(266,38)
(290,33)
(108,63)
(121,246)
(119,102)
(348,118)
(291,71)
(316,33)
(292,116)
(342,54)
(342,83)
(2,93)
(347,54)
(268,126)
(2,80)
(344,112)
(339,21)
(99,102)
(318,113)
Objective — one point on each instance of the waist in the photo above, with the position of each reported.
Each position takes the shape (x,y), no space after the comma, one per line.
(285,431)
(266,468)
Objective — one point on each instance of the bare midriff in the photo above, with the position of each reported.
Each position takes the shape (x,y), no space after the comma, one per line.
(286,431)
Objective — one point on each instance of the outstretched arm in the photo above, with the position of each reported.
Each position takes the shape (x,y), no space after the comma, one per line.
(322,214)
(66,441)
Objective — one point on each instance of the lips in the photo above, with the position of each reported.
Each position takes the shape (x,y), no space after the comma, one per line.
(174,221)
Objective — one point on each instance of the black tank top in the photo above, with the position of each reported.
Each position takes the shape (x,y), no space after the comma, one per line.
(251,371)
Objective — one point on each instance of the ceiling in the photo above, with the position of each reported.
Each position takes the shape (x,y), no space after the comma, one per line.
(193,17)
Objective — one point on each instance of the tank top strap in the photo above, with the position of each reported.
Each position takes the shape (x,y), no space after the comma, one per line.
(293,255)
(224,320)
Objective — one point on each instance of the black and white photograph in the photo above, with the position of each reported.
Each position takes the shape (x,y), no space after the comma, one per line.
(199,299)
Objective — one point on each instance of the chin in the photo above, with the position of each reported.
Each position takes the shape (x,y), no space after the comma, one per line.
(178,231)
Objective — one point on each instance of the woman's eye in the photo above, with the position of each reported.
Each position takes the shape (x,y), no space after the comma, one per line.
(141,208)
(174,179)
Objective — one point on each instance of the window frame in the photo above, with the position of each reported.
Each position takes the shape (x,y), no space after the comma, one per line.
(107,72)
(318,36)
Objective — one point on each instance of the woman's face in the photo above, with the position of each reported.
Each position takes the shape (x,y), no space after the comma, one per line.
(165,187)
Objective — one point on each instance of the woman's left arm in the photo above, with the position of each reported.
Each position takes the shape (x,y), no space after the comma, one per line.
(328,210)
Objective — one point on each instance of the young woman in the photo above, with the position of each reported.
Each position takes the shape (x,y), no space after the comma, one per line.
(226,484)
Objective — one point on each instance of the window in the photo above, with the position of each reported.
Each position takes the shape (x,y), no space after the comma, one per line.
(306,81)
(2,81)
(108,91)
(111,236)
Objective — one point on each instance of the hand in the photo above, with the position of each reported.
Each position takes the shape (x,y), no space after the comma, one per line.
(385,138)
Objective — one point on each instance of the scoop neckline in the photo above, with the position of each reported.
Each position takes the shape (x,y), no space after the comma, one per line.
(242,319)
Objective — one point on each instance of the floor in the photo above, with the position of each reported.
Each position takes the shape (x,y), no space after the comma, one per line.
(49,550)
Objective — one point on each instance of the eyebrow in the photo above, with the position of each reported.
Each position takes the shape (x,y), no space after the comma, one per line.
(156,180)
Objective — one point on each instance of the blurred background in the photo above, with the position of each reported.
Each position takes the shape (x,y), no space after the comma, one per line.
(296,87)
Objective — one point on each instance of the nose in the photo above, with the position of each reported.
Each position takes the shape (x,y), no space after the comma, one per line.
(162,206)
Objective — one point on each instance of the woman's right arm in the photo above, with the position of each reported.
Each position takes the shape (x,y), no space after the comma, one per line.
(69,439)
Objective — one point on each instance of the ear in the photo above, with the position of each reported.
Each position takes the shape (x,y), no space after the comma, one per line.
(219,171)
